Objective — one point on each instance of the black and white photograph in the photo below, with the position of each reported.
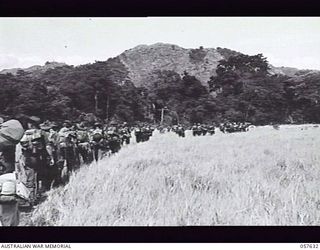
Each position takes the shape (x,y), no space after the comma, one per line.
(159,121)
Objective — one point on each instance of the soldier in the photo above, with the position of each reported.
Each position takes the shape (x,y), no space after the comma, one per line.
(35,156)
(83,143)
(222,127)
(150,130)
(233,127)
(45,127)
(68,159)
(211,130)
(10,134)
(236,126)
(113,140)
(52,147)
(180,131)
(145,133)
(246,126)
(138,134)
(228,127)
(52,143)
(125,134)
(161,129)
(175,128)
(97,140)
(194,130)
(204,129)
(199,129)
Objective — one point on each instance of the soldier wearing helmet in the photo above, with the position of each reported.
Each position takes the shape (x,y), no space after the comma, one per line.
(97,140)
(113,139)
(83,143)
(33,147)
(125,133)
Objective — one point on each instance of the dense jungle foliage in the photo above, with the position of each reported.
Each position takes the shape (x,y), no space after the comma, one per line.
(242,90)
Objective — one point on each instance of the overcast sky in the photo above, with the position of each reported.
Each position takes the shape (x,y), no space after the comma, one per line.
(293,42)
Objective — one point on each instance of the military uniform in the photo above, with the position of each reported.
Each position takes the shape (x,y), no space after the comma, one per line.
(35,161)
(211,130)
(97,142)
(10,133)
(68,159)
(138,134)
(113,140)
(194,130)
(125,134)
(180,131)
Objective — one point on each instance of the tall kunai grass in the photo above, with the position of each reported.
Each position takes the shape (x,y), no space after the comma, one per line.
(261,177)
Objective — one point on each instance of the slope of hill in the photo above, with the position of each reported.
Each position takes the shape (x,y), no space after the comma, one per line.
(169,181)
(35,70)
(291,72)
(143,60)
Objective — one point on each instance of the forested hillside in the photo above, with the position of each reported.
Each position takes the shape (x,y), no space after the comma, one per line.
(193,85)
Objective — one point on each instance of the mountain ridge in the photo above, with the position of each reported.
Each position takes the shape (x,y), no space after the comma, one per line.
(140,82)
(143,60)
(35,69)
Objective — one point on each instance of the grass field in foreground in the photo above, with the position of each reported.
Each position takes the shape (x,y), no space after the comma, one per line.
(261,177)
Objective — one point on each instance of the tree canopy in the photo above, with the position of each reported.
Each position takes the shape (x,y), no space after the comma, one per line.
(241,90)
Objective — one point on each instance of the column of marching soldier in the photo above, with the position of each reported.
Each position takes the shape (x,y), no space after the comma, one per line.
(47,153)
(204,129)
(44,155)
(52,152)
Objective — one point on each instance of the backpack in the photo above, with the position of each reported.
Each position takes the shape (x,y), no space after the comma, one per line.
(30,136)
(11,133)
(53,137)
(63,135)
(97,135)
(11,188)
(82,136)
